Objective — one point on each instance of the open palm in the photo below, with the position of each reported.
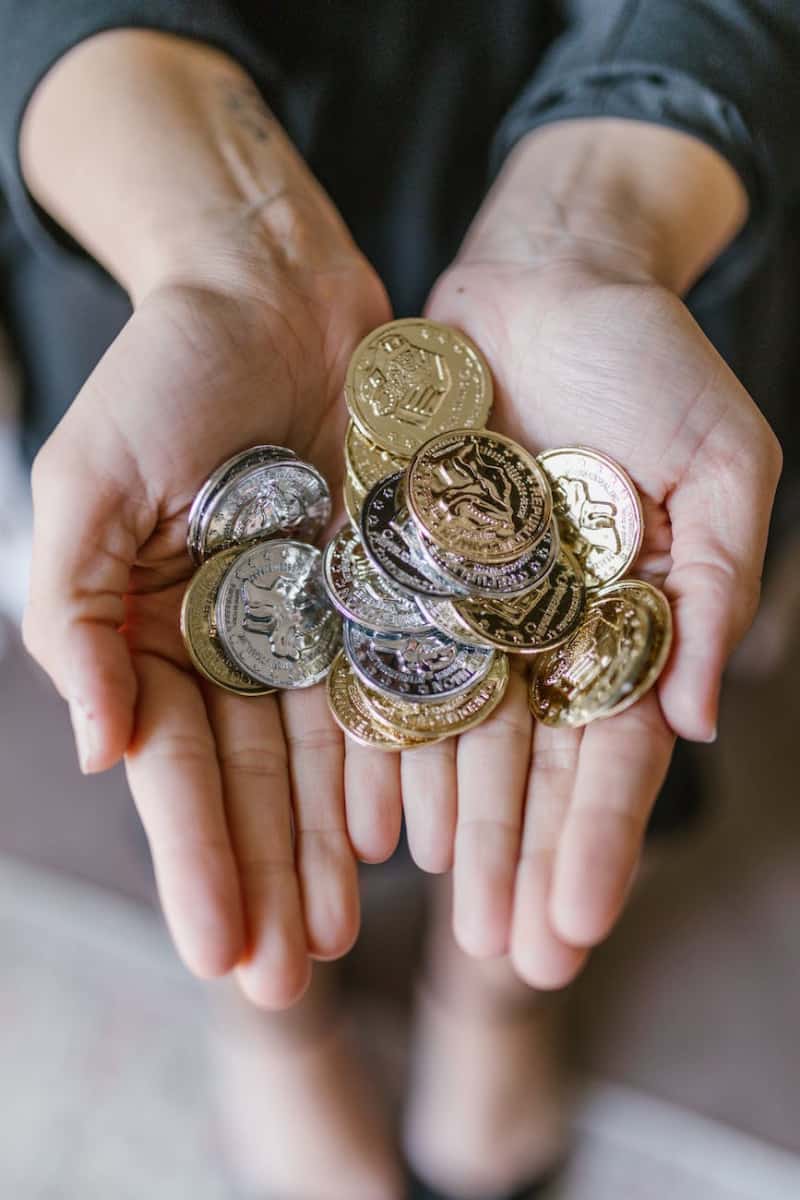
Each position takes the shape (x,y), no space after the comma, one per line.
(544,826)
(242,798)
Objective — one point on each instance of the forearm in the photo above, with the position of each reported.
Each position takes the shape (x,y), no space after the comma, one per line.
(625,194)
(158,155)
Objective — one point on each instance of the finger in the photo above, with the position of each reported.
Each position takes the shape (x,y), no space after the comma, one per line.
(539,956)
(493,763)
(83,545)
(720,518)
(428,780)
(174,777)
(622,764)
(372,800)
(325,860)
(255,781)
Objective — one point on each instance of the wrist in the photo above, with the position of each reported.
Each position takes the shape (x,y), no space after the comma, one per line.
(159,156)
(626,198)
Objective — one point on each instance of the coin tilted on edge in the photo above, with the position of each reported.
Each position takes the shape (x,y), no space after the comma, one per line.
(365,461)
(598,510)
(413,378)
(391,544)
(615,655)
(479,495)
(349,708)
(245,460)
(353,497)
(535,621)
(273,616)
(363,594)
(287,499)
(199,631)
(419,668)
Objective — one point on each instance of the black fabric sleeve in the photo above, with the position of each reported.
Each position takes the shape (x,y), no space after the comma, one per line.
(725,71)
(34,34)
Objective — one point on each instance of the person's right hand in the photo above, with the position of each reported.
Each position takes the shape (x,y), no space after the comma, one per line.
(198,373)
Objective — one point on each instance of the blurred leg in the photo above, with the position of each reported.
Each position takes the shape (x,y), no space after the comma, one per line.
(487,1105)
(298,1116)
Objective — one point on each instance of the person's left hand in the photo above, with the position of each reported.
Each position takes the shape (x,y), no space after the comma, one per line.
(544,826)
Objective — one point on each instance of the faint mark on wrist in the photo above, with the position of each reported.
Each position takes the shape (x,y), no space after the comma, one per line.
(243,102)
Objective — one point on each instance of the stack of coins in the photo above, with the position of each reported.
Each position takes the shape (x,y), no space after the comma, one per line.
(255,616)
(464,548)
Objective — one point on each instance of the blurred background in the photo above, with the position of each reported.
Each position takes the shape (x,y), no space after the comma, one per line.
(683,1031)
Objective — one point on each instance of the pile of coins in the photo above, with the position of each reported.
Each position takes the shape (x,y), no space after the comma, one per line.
(464,548)
(255,616)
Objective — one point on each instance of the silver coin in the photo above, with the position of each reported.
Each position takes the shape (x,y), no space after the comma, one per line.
(391,543)
(287,499)
(444,616)
(273,616)
(362,593)
(256,456)
(423,667)
(493,581)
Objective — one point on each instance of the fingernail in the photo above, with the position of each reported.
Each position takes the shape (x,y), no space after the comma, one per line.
(85,731)
(713,736)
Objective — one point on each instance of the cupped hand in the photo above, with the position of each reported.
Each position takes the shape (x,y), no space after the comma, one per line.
(544,827)
(242,798)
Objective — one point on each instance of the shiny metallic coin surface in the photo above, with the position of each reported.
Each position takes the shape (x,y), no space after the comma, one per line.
(353,497)
(657,605)
(366,462)
(533,622)
(411,379)
(444,616)
(351,713)
(444,717)
(362,593)
(391,543)
(492,580)
(199,632)
(273,616)
(286,499)
(419,668)
(615,654)
(479,495)
(245,460)
(598,510)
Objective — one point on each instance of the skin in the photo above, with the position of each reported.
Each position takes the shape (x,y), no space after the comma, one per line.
(249,298)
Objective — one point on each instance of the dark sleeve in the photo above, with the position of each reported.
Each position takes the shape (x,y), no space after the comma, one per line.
(34,34)
(725,71)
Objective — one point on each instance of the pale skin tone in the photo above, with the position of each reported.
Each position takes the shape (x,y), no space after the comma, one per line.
(249,298)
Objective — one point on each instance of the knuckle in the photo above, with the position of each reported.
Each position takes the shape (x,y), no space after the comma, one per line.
(253,761)
(322,741)
(188,749)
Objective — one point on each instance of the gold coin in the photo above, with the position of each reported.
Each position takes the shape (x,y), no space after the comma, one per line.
(349,709)
(656,603)
(443,614)
(443,718)
(411,379)
(479,495)
(354,498)
(366,462)
(536,621)
(609,662)
(598,510)
(198,628)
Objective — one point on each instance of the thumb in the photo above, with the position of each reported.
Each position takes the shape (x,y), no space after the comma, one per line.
(84,543)
(720,515)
